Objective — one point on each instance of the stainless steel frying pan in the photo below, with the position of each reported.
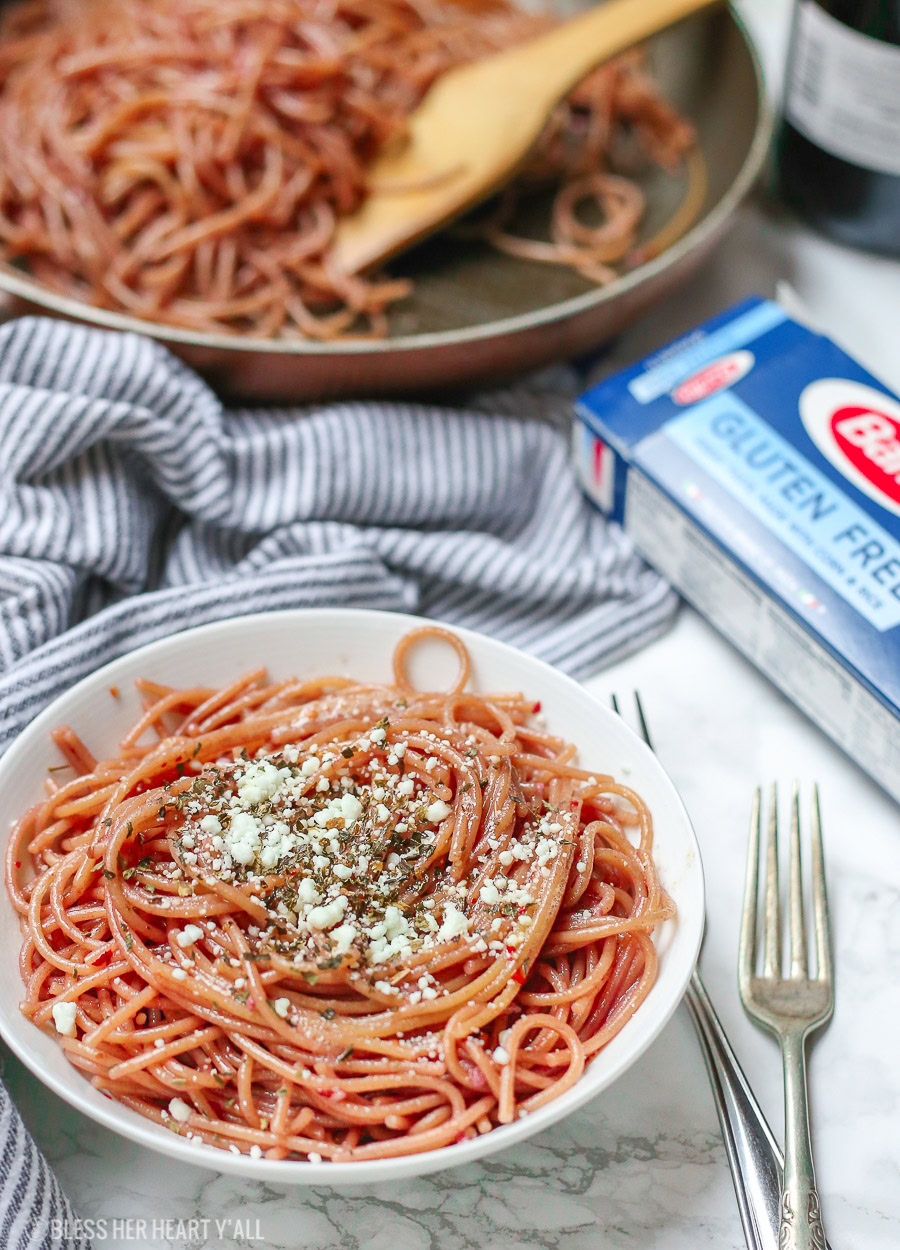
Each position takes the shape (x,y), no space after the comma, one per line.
(477,315)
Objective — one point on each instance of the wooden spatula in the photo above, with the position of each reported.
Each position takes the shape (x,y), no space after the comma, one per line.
(478,122)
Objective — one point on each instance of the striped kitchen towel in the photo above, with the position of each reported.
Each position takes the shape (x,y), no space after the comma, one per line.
(133,505)
(34,1212)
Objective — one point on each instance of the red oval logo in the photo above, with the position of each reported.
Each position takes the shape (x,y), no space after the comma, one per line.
(856,428)
(713,377)
(871,442)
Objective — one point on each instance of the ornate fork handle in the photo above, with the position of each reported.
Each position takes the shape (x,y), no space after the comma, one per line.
(789,1003)
(801,1221)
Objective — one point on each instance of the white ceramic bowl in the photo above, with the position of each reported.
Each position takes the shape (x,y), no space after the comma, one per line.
(359,644)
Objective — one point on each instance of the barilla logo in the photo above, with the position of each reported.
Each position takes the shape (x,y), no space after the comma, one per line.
(713,377)
(857,428)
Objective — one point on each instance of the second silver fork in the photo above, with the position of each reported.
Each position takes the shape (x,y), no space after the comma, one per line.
(754,1158)
(790,1006)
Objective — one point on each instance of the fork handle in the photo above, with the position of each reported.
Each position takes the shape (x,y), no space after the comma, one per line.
(753,1154)
(801,1219)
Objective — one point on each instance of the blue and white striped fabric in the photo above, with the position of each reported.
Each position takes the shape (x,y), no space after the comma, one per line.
(34,1212)
(132,505)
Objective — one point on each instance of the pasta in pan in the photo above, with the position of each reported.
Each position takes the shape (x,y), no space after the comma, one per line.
(329,920)
(185,161)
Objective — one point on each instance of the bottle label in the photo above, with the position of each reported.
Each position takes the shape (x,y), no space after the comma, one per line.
(843,91)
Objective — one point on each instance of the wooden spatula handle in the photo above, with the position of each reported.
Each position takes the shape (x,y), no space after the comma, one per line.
(559,59)
(479,121)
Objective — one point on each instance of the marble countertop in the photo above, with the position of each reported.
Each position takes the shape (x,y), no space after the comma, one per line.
(643,1165)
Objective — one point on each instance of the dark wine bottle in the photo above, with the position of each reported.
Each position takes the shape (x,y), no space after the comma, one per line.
(839,144)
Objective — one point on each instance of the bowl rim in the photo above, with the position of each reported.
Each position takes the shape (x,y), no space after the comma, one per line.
(126,1123)
(16,282)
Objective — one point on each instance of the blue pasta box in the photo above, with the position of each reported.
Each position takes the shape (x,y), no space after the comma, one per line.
(757,466)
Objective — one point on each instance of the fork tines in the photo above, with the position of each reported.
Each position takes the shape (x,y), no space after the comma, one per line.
(642,720)
(771,909)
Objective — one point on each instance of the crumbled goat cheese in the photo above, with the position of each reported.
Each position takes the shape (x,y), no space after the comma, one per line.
(454,924)
(489,892)
(242,838)
(328,915)
(188,935)
(343,937)
(261,780)
(64,1018)
(307,891)
(179,1110)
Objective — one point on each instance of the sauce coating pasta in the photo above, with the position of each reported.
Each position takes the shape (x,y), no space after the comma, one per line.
(185,161)
(326,919)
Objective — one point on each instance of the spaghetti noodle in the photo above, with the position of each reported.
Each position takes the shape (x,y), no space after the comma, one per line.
(323,919)
(185,161)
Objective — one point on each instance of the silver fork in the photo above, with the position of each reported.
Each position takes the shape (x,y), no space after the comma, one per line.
(790,1006)
(754,1157)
